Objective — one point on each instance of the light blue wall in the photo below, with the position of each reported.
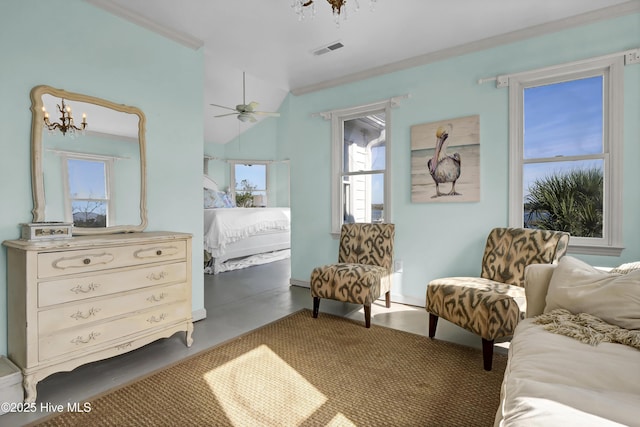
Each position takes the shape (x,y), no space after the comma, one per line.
(69,44)
(436,240)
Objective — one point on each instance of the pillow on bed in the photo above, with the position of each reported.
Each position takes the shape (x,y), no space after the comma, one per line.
(228,201)
(580,288)
(213,199)
(217,199)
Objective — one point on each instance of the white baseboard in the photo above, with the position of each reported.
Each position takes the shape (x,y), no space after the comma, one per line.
(199,314)
(403,299)
(397,298)
(298,282)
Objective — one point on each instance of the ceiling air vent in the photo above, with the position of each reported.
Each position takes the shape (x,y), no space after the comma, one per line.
(326,49)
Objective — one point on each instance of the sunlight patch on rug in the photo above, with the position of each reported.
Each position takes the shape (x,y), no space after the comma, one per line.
(258,387)
(340,421)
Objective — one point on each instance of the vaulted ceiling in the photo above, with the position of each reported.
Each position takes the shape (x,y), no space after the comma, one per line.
(266,40)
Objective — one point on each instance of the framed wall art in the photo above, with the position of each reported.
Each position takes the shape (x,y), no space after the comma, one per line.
(445,161)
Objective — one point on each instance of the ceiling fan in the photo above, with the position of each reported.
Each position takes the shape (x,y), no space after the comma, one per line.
(245,112)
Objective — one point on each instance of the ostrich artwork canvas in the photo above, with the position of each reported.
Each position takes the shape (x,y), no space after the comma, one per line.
(445,161)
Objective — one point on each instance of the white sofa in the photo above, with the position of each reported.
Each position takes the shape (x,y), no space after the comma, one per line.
(555,380)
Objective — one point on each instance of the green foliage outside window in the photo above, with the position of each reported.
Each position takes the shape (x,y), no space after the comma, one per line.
(571,202)
(244,196)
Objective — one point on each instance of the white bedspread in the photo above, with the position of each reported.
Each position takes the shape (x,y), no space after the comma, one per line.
(223,226)
(554,380)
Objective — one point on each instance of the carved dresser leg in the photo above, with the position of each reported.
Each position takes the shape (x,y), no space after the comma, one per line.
(189,332)
(29,388)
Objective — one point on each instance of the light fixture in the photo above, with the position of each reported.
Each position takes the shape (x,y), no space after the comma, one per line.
(66,124)
(339,8)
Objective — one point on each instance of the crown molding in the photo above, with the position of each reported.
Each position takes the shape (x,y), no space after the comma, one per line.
(131,16)
(488,43)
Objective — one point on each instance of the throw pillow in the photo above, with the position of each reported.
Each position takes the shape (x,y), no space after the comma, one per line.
(580,288)
(228,201)
(213,199)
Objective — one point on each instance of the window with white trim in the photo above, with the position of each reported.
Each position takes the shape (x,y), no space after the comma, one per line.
(360,165)
(566,152)
(250,180)
(87,183)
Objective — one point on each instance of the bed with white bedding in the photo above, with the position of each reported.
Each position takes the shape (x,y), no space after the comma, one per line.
(252,235)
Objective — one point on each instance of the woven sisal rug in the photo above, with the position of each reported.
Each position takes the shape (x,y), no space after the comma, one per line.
(300,371)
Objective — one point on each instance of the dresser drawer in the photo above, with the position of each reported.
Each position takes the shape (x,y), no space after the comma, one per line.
(80,288)
(51,264)
(83,338)
(69,316)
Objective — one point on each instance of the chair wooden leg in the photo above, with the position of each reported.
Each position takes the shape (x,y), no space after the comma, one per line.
(316,306)
(367,315)
(387,299)
(433,323)
(487,354)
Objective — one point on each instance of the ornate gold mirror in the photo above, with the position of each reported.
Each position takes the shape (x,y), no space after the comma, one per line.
(92,173)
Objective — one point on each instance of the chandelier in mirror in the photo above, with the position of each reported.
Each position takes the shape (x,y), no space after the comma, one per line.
(66,124)
(304,8)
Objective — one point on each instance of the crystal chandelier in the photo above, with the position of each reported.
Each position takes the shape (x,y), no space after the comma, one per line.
(66,124)
(339,8)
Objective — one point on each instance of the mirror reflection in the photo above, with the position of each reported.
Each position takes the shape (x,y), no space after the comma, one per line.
(93,177)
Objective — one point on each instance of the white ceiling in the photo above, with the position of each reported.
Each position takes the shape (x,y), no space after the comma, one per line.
(265,39)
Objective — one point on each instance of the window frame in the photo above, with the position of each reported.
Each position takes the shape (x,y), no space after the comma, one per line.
(109,184)
(611,69)
(338,117)
(232,175)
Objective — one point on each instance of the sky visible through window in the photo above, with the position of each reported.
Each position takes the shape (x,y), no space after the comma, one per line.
(562,119)
(255,174)
(86,179)
(377,180)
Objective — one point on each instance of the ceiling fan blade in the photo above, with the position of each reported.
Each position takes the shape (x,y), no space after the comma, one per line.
(222,106)
(225,115)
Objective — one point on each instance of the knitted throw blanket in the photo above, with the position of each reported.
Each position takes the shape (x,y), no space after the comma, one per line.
(586,328)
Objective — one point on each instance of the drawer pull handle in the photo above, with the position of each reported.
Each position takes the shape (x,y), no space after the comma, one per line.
(154,319)
(158,298)
(159,276)
(156,251)
(85,290)
(80,261)
(80,316)
(79,340)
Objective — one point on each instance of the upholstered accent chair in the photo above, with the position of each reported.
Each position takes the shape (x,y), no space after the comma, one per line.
(364,269)
(492,305)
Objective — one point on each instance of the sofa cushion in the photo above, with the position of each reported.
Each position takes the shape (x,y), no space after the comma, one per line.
(553,380)
(580,288)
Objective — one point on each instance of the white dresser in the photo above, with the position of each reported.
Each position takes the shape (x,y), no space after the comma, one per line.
(88,298)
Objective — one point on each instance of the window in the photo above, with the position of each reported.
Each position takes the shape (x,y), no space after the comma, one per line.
(87,190)
(250,188)
(566,167)
(360,187)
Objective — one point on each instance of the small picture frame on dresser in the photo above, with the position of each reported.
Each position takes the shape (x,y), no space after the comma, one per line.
(34,231)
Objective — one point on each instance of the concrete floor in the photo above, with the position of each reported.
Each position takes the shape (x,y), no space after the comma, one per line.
(236,302)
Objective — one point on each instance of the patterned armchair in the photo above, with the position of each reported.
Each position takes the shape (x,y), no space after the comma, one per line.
(363,271)
(492,305)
